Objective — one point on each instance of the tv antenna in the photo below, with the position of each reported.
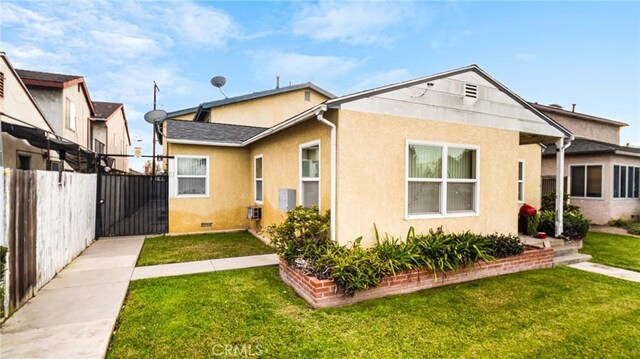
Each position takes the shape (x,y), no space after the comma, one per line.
(219,81)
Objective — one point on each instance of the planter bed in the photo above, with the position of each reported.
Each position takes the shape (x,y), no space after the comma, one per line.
(324,293)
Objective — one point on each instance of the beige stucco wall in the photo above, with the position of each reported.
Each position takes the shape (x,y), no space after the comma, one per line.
(371,175)
(263,112)
(588,129)
(532,156)
(229,191)
(599,210)
(118,142)
(281,168)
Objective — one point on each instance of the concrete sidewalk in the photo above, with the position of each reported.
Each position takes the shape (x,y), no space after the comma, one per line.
(73,315)
(167,270)
(608,271)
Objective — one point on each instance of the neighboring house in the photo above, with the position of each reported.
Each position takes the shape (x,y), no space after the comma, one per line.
(443,150)
(19,108)
(109,133)
(602,177)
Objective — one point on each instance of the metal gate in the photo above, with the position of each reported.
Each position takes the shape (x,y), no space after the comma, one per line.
(132,205)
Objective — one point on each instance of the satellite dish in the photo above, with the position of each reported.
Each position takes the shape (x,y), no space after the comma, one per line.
(218,81)
(155,115)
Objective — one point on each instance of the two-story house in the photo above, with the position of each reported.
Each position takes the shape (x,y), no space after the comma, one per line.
(603,177)
(109,133)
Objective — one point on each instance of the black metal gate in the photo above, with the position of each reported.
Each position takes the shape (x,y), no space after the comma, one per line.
(132,205)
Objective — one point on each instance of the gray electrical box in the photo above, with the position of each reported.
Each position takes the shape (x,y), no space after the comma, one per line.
(286,199)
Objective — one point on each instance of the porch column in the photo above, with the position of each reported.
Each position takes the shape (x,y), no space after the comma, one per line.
(559,185)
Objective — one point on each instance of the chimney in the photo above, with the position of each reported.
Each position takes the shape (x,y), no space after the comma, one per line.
(573,107)
(277,82)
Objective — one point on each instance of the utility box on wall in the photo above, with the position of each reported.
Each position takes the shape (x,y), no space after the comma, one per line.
(286,199)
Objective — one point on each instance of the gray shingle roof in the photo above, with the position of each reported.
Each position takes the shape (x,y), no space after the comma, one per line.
(105,109)
(583,146)
(210,132)
(45,76)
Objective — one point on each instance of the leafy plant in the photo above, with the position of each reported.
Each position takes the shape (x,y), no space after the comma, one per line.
(634,228)
(619,222)
(575,225)
(549,203)
(532,224)
(502,246)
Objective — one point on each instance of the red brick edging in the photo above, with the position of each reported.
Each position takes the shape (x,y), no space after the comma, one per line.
(323,293)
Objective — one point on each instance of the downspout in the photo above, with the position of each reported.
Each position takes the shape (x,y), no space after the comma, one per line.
(560,147)
(319,112)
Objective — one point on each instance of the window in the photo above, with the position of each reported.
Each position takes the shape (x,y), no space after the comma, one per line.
(53,165)
(520,181)
(307,96)
(310,174)
(70,112)
(257,176)
(437,187)
(24,162)
(626,181)
(586,181)
(192,176)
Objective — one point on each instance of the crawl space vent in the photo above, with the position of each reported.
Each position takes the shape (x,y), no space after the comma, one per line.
(470,91)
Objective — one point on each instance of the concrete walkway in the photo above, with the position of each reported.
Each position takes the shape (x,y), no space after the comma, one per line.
(167,270)
(73,315)
(608,271)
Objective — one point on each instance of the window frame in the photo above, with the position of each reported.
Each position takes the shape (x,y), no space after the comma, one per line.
(443,180)
(206,176)
(585,165)
(71,121)
(521,181)
(310,179)
(256,179)
(632,177)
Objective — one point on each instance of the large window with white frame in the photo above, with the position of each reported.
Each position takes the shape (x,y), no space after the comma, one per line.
(586,181)
(521,181)
(192,176)
(442,180)
(626,181)
(310,174)
(257,179)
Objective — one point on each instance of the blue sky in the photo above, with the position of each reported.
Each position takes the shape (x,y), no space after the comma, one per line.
(586,53)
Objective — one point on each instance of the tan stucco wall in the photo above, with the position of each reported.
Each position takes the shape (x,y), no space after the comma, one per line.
(588,129)
(229,191)
(281,168)
(532,156)
(599,210)
(371,175)
(118,139)
(263,112)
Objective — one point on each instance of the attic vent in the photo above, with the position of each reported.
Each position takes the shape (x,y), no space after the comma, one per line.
(307,96)
(1,84)
(470,91)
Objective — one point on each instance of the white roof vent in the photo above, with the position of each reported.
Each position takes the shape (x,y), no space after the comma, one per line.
(470,91)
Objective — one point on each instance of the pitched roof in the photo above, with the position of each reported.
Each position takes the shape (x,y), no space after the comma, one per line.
(105,109)
(583,146)
(252,96)
(37,76)
(579,115)
(210,133)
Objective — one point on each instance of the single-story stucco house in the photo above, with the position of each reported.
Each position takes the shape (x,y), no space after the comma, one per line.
(452,150)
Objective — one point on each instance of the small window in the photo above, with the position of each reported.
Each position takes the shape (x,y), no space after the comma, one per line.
(24,162)
(520,181)
(586,181)
(53,165)
(626,181)
(257,175)
(70,118)
(307,96)
(192,176)
(310,174)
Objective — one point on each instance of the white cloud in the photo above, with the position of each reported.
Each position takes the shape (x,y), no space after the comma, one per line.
(295,67)
(203,25)
(351,22)
(123,47)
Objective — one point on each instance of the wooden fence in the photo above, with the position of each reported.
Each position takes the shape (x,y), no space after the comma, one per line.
(49,221)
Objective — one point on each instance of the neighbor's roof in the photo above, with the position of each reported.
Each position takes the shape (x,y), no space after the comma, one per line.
(210,133)
(578,115)
(105,109)
(583,146)
(252,96)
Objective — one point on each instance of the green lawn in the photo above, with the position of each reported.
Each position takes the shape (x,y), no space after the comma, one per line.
(613,249)
(196,247)
(553,313)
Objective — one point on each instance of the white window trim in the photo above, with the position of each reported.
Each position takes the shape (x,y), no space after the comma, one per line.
(521,180)
(207,181)
(442,180)
(619,180)
(255,179)
(310,179)
(72,125)
(585,165)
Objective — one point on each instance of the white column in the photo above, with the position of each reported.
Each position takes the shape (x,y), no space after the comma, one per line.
(559,185)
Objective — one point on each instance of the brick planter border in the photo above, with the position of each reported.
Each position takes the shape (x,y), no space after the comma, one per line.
(323,293)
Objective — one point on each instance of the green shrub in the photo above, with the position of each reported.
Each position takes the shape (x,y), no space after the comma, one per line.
(547,223)
(634,228)
(532,224)
(549,203)
(619,222)
(502,246)
(575,225)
